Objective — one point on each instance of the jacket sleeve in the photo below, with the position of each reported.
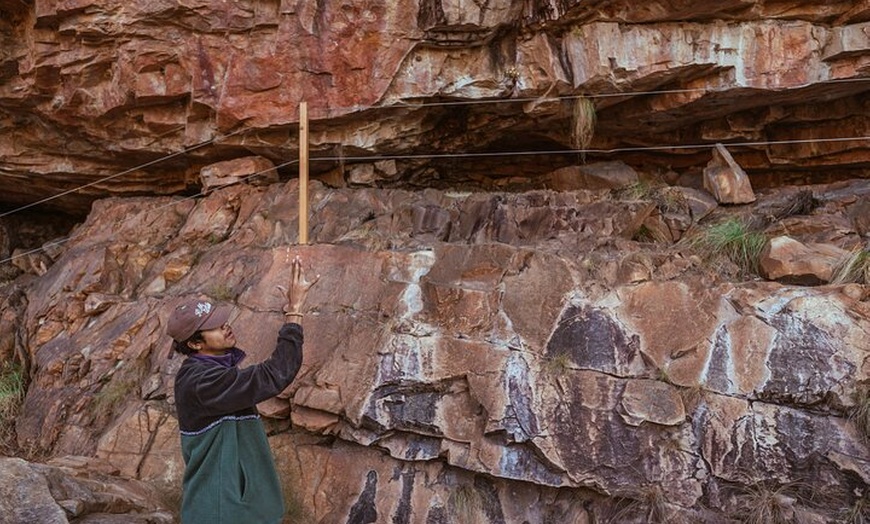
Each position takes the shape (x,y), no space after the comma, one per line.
(226,390)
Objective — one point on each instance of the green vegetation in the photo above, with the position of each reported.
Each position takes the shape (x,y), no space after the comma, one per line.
(12,389)
(733,240)
(853,269)
(640,190)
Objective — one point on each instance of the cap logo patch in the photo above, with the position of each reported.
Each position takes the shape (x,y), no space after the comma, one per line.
(203,308)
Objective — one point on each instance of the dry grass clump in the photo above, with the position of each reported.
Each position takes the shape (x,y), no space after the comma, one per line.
(651,507)
(583,121)
(855,268)
(766,503)
(763,505)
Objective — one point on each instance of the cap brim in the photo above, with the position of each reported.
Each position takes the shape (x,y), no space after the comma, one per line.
(217,319)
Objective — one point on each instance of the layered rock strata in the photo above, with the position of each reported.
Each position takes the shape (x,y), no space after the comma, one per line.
(498,357)
(158,90)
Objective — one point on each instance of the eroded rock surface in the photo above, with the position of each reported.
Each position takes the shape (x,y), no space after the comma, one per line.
(524,345)
(88,92)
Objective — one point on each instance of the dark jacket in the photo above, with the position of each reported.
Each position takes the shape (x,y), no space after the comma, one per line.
(230,475)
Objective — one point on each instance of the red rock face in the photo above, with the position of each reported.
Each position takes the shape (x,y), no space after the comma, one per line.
(472,355)
(531,349)
(88,91)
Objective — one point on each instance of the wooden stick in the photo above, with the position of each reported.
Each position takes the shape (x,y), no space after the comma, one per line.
(303,172)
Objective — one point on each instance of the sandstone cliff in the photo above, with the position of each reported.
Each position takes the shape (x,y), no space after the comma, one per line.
(90,90)
(513,324)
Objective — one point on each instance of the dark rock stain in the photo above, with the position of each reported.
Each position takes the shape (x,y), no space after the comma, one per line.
(364,510)
(593,340)
(403,511)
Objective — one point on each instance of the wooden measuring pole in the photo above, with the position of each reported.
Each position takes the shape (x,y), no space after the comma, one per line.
(303,172)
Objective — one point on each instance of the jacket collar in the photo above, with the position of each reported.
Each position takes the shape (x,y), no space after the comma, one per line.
(230,359)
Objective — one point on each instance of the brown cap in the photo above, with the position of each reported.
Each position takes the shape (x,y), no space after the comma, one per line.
(194,315)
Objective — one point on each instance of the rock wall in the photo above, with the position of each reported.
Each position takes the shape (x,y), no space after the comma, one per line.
(510,327)
(159,90)
(469,357)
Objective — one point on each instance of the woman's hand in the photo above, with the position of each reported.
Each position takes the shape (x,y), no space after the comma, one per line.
(298,289)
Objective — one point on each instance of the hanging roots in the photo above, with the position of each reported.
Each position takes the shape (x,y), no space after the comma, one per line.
(583,121)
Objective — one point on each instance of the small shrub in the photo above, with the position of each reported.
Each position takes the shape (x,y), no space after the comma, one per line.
(644,234)
(733,240)
(640,190)
(670,200)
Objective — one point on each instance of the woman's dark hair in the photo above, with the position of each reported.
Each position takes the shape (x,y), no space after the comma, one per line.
(184,347)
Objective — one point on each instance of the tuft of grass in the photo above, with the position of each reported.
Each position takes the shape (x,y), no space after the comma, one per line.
(670,200)
(733,240)
(650,507)
(855,268)
(761,504)
(583,121)
(465,505)
(860,413)
(12,389)
(640,190)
